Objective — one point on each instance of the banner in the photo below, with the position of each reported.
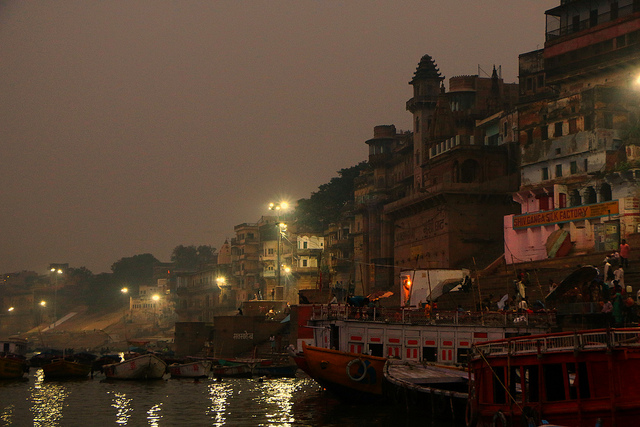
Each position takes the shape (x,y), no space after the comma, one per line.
(577,213)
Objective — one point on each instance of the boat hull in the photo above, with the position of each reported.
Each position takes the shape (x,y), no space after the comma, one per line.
(568,378)
(276,371)
(441,392)
(145,367)
(12,367)
(60,369)
(199,369)
(349,376)
(232,371)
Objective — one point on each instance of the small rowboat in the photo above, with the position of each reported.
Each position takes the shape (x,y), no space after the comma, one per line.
(196,369)
(12,367)
(144,367)
(63,368)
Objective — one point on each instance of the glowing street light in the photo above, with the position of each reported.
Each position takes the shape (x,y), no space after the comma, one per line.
(281,227)
(10,309)
(155,299)
(57,272)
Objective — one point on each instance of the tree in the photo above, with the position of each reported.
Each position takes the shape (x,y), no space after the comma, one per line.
(325,205)
(192,257)
(135,270)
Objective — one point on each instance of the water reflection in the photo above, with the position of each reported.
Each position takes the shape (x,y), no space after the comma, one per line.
(122,404)
(47,401)
(277,395)
(154,415)
(6,415)
(219,394)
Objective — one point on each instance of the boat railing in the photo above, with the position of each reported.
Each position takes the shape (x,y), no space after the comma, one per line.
(567,341)
(416,316)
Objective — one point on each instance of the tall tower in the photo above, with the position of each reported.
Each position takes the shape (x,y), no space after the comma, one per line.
(426,88)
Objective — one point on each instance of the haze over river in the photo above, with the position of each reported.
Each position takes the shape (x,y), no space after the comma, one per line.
(35,401)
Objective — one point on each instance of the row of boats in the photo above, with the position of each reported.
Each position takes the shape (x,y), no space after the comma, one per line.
(148,366)
(575,378)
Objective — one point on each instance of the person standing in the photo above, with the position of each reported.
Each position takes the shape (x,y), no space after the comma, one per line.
(624,253)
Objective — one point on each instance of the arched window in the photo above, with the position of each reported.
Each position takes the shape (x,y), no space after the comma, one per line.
(574,198)
(469,171)
(605,192)
(456,172)
(590,196)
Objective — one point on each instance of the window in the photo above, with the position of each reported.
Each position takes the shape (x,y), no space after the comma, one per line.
(558,129)
(545,174)
(573,127)
(575,23)
(593,18)
(270,251)
(562,200)
(305,244)
(558,171)
(574,168)
(540,80)
(529,136)
(544,132)
(608,120)
(588,122)
(304,262)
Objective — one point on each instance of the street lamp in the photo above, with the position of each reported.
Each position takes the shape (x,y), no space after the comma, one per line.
(57,272)
(155,299)
(280,227)
(10,309)
(125,292)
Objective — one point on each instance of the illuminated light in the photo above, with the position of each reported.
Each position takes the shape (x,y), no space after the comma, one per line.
(43,303)
(124,290)
(156,297)
(10,309)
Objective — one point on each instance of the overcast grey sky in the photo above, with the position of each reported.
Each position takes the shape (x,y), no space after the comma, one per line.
(134,126)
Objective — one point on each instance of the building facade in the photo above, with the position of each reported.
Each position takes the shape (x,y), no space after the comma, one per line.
(578,124)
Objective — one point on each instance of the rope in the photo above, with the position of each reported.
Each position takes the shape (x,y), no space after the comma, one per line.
(498,378)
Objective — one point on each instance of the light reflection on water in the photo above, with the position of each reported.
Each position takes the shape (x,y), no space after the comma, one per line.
(233,402)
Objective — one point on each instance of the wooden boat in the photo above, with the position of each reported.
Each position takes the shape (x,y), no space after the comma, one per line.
(567,378)
(440,391)
(64,368)
(275,371)
(143,367)
(232,370)
(12,366)
(349,376)
(195,369)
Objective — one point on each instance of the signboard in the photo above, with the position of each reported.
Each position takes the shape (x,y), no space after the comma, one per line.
(555,216)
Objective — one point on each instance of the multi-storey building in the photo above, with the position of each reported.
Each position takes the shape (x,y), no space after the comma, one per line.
(390,178)
(578,125)
(245,261)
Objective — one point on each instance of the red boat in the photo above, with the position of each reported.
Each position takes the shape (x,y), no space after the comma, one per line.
(582,378)
(349,376)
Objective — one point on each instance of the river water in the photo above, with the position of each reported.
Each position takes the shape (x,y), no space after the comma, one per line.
(300,401)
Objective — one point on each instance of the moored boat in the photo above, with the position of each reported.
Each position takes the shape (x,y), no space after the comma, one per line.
(232,370)
(275,370)
(12,366)
(577,378)
(144,367)
(63,368)
(195,369)
(349,376)
(440,391)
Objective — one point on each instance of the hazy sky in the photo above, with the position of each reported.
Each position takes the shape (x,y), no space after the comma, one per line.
(135,126)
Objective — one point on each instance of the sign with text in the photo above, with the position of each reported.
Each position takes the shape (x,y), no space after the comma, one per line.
(577,213)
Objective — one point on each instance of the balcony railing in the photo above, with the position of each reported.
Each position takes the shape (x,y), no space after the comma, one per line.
(413,316)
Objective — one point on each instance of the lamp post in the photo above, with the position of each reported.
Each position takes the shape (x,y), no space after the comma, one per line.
(279,226)
(125,292)
(57,272)
(155,299)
